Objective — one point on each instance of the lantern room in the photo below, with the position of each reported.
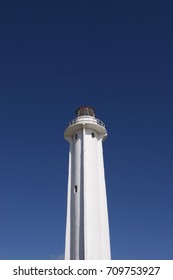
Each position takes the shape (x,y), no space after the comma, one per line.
(85,111)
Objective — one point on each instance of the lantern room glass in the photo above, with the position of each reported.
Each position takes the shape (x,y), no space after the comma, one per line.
(85,111)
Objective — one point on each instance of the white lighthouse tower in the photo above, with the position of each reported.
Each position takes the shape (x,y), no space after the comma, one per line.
(87,227)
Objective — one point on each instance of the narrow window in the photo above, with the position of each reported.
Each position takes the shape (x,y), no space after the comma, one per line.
(76,136)
(75,189)
(93,134)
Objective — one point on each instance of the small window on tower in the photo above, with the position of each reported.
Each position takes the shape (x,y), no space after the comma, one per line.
(76,136)
(75,189)
(93,134)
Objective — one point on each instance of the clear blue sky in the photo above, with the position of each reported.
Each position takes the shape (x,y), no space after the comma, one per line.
(116,57)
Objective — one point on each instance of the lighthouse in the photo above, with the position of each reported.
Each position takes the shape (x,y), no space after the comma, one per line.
(87,226)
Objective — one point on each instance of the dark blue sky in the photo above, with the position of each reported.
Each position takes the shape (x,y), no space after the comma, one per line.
(116,57)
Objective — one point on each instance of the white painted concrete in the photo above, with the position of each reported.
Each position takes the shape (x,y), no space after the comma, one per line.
(87,228)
